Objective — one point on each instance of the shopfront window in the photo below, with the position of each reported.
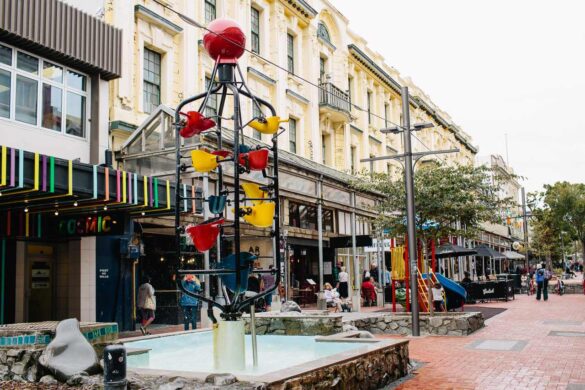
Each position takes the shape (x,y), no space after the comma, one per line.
(40,93)
(305,217)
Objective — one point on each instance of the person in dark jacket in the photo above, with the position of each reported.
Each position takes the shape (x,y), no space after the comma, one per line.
(541,283)
(190,304)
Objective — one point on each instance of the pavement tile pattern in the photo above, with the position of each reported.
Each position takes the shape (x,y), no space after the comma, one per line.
(532,345)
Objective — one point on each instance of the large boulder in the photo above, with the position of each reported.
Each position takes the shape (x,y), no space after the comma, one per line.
(289,306)
(69,353)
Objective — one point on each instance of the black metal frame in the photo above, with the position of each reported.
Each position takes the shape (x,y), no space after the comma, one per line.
(228,83)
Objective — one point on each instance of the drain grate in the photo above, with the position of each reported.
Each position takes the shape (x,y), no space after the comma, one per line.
(498,345)
(566,333)
(562,322)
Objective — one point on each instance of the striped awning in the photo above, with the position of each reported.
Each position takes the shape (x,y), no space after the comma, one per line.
(35,186)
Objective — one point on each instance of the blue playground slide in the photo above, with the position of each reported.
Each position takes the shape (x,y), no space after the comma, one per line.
(455,293)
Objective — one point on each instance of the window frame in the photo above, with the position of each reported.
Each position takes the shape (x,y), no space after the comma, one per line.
(212,98)
(210,3)
(14,72)
(290,52)
(292,143)
(255,35)
(369,104)
(144,81)
(256,112)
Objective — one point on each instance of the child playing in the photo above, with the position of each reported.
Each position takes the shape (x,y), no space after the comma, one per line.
(437,291)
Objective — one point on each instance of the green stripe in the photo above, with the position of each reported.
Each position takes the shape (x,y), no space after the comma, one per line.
(3,257)
(39,225)
(52,174)
(155,192)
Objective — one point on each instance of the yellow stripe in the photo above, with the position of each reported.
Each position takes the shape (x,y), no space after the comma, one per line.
(70,178)
(123,186)
(37,175)
(168,195)
(4,166)
(145,191)
(26,224)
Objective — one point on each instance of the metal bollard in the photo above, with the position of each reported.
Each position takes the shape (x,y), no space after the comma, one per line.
(115,367)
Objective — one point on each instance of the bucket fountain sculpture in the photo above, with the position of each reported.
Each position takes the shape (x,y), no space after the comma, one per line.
(225,43)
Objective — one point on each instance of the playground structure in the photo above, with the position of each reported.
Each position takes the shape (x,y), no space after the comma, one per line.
(454,295)
(257,205)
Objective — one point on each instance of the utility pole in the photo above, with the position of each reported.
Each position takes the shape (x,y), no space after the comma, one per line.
(525,227)
(409,187)
(410,212)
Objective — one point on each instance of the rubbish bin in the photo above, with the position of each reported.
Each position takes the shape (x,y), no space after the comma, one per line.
(115,367)
(321,301)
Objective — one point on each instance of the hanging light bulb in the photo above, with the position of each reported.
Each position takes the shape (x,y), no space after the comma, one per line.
(143,213)
(106,208)
(26,209)
(75,203)
(56,212)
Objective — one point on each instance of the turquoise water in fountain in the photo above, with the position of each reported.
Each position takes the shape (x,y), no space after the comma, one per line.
(194,352)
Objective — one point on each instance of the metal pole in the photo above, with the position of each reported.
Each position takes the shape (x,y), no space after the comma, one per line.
(356,268)
(525,227)
(320,231)
(253,333)
(410,212)
(206,216)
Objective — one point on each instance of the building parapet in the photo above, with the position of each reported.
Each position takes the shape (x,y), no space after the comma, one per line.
(55,30)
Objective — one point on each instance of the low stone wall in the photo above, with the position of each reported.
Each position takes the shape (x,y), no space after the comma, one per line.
(296,324)
(444,324)
(372,370)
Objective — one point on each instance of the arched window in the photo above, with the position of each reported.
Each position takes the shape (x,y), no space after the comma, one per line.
(323,33)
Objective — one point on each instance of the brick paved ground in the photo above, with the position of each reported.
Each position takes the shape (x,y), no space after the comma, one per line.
(544,361)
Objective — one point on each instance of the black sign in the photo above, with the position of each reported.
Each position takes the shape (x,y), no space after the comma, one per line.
(345,241)
(88,225)
(490,290)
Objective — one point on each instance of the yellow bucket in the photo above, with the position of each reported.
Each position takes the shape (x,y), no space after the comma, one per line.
(204,161)
(253,191)
(262,215)
(268,127)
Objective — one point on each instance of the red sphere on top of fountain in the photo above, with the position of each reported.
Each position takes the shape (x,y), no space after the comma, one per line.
(226,40)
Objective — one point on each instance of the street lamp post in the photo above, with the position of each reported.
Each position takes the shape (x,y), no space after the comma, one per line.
(410,212)
(408,155)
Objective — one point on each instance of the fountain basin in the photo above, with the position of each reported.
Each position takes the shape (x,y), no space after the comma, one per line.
(283,360)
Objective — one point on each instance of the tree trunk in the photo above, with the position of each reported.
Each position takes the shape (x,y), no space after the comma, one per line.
(582,249)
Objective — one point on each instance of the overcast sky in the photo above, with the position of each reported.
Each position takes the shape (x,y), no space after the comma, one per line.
(498,67)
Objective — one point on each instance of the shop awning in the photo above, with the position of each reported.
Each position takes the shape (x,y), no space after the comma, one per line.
(511,255)
(486,251)
(346,242)
(35,187)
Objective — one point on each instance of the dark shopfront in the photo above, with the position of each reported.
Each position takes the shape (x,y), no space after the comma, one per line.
(67,239)
(303,255)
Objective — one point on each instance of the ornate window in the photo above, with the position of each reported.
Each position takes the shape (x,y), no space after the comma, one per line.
(323,33)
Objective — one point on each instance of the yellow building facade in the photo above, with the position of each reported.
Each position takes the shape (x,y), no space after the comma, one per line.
(337,92)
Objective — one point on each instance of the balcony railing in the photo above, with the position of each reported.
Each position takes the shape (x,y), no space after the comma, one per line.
(332,96)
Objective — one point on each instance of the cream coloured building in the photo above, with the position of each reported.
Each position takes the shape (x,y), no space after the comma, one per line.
(336,126)
(336,92)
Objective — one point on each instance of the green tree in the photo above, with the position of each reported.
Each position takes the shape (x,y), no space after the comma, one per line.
(558,211)
(449,200)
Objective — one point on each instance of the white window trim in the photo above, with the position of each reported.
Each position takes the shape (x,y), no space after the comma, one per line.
(15,72)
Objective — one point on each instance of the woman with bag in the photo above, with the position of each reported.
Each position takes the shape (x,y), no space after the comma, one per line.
(146,304)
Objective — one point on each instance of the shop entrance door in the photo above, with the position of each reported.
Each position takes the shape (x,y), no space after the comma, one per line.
(40,288)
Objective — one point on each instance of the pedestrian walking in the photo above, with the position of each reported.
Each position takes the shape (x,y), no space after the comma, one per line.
(437,292)
(189,304)
(146,304)
(342,285)
(541,283)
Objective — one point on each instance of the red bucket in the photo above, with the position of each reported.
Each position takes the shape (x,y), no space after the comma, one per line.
(196,124)
(205,234)
(255,160)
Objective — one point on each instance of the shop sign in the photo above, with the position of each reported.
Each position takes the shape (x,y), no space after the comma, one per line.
(90,225)
(374,247)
